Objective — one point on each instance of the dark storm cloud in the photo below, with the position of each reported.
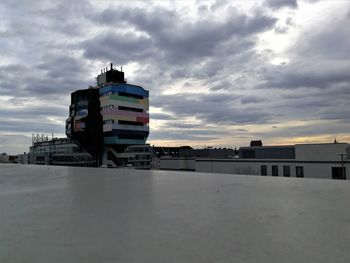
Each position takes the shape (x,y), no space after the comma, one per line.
(252,99)
(222,85)
(190,134)
(332,42)
(37,68)
(342,113)
(34,112)
(58,75)
(330,102)
(74,13)
(198,132)
(215,109)
(32,119)
(161,116)
(178,40)
(320,60)
(179,48)
(307,76)
(61,64)
(318,77)
(177,125)
(308,98)
(39,22)
(28,126)
(317,129)
(276,4)
(123,48)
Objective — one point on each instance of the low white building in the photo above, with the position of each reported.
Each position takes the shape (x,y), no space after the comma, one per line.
(329,161)
(58,151)
(136,156)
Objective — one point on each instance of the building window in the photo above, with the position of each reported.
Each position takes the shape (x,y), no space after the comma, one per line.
(286,171)
(263,170)
(299,171)
(108,122)
(274,170)
(338,173)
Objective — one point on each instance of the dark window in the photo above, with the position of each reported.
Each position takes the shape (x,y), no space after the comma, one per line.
(131,136)
(129,109)
(130,95)
(263,170)
(286,171)
(299,171)
(338,173)
(274,170)
(131,123)
(40,158)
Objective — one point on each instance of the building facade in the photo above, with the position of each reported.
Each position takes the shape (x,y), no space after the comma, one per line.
(115,116)
(328,161)
(58,151)
(84,125)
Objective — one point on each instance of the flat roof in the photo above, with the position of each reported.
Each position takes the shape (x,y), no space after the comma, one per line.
(267,147)
(290,146)
(73,214)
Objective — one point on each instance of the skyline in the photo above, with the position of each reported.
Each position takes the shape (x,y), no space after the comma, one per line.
(220,73)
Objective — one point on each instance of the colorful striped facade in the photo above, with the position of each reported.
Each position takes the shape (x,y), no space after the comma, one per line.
(109,117)
(124,109)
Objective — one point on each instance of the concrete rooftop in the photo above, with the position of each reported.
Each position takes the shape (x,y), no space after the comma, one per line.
(67,214)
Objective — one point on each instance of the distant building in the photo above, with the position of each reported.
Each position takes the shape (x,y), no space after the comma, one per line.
(161,151)
(23,158)
(267,152)
(256,143)
(208,152)
(139,156)
(84,125)
(108,118)
(148,157)
(327,160)
(188,151)
(4,158)
(59,151)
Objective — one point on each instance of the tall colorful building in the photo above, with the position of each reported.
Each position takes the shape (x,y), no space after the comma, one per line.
(107,118)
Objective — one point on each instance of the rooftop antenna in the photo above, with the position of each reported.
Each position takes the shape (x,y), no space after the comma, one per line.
(121,68)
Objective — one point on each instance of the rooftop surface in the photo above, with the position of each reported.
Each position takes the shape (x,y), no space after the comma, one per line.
(69,214)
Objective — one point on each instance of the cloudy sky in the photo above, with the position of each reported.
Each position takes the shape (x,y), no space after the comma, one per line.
(220,73)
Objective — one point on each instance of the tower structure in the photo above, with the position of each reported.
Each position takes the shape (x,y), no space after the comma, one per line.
(84,125)
(107,118)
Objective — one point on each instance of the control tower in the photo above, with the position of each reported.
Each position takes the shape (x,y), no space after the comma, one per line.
(107,118)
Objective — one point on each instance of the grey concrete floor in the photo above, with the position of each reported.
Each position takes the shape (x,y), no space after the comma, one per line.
(67,214)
